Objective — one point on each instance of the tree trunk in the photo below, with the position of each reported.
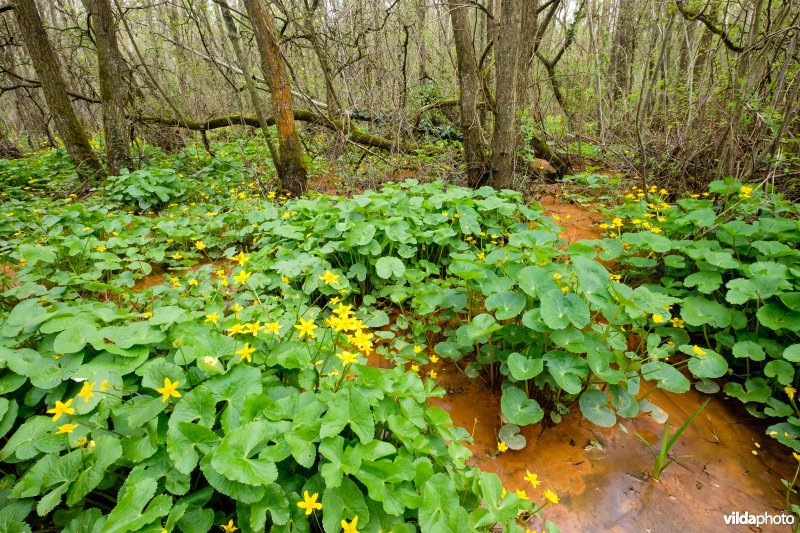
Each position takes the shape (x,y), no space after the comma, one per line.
(114,85)
(244,66)
(55,91)
(291,168)
(470,87)
(505,124)
(623,47)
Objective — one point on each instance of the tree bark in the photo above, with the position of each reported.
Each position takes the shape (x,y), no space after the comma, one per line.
(504,142)
(114,85)
(470,86)
(233,35)
(55,91)
(291,167)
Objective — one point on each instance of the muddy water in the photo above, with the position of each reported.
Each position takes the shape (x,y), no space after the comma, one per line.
(602,474)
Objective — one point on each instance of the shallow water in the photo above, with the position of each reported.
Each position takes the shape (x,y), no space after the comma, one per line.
(602,474)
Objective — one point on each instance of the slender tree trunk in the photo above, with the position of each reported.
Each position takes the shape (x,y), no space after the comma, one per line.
(292,168)
(470,85)
(505,124)
(244,65)
(114,85)
(55,91)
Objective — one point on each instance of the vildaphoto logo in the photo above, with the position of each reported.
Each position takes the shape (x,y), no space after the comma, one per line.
(740,519)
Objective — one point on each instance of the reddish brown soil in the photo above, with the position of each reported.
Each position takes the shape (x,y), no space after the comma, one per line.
(579,222)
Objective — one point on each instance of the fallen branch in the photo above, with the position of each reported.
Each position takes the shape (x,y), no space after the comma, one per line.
(354,134)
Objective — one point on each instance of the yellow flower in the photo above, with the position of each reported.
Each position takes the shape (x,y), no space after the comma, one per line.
(343,310)
(676,322)
(789,390)
(210,361)
(193,283)
(306,327)
(235,329)
(521,494)
(347,357)
(309,503)
(796,455)
(66,428)
(415,368)
(434,359)
(565,289)
(213,317)
(502,447)
(433,374)
(551,496)
(241,258)
(200,245)
(104,384)
(532,478)
(169,389)
(230,527)
(242,276)
(746,190)
(481,256)
(285,279)
(697,350)
(658,318)
(273,327)
(329,278)
(351,527)
(87,391)
(101,249)
(177,256)
(61,409)
(246,352)
(417,348)
(252,327)
(557,276)
(81,442)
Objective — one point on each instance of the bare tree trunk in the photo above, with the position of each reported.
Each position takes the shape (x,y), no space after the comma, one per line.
(55,91)
(470,87)
(622,47)
(291,168)
(114,85)
(233,34)
(505,124)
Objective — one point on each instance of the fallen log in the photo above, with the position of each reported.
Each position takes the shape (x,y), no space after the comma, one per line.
(334,124)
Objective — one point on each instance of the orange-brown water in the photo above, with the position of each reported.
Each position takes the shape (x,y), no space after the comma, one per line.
(602,475)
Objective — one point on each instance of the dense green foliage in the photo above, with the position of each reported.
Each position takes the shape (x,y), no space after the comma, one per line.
(178,353)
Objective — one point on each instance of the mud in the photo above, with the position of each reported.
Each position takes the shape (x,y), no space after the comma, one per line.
(602,475)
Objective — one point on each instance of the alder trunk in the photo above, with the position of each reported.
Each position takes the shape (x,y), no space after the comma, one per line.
(46,65)
(114,85)
(291,167)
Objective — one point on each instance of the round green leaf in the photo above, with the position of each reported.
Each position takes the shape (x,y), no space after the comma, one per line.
(389,267)
(506,304)
(522,368)
(518,408)
(594,406)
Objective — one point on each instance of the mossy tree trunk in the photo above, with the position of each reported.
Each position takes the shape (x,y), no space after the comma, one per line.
(114,79)
(45,63)
(291,167)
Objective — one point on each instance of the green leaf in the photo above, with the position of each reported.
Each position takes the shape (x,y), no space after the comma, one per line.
(233,459)
(505,304)
(389,267)
(343,503)
(740,291)
(792,353)
(594,406)
(705,281)
(749,350)
(74,338)
(698,311)
(707,365)
(754,390)
(439,500)
(558,310)
(481,326)
(197,404)
(346,408)
(776,317)
(568,370)
(781,370)
(522,368)
(668,377)
(518,408)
